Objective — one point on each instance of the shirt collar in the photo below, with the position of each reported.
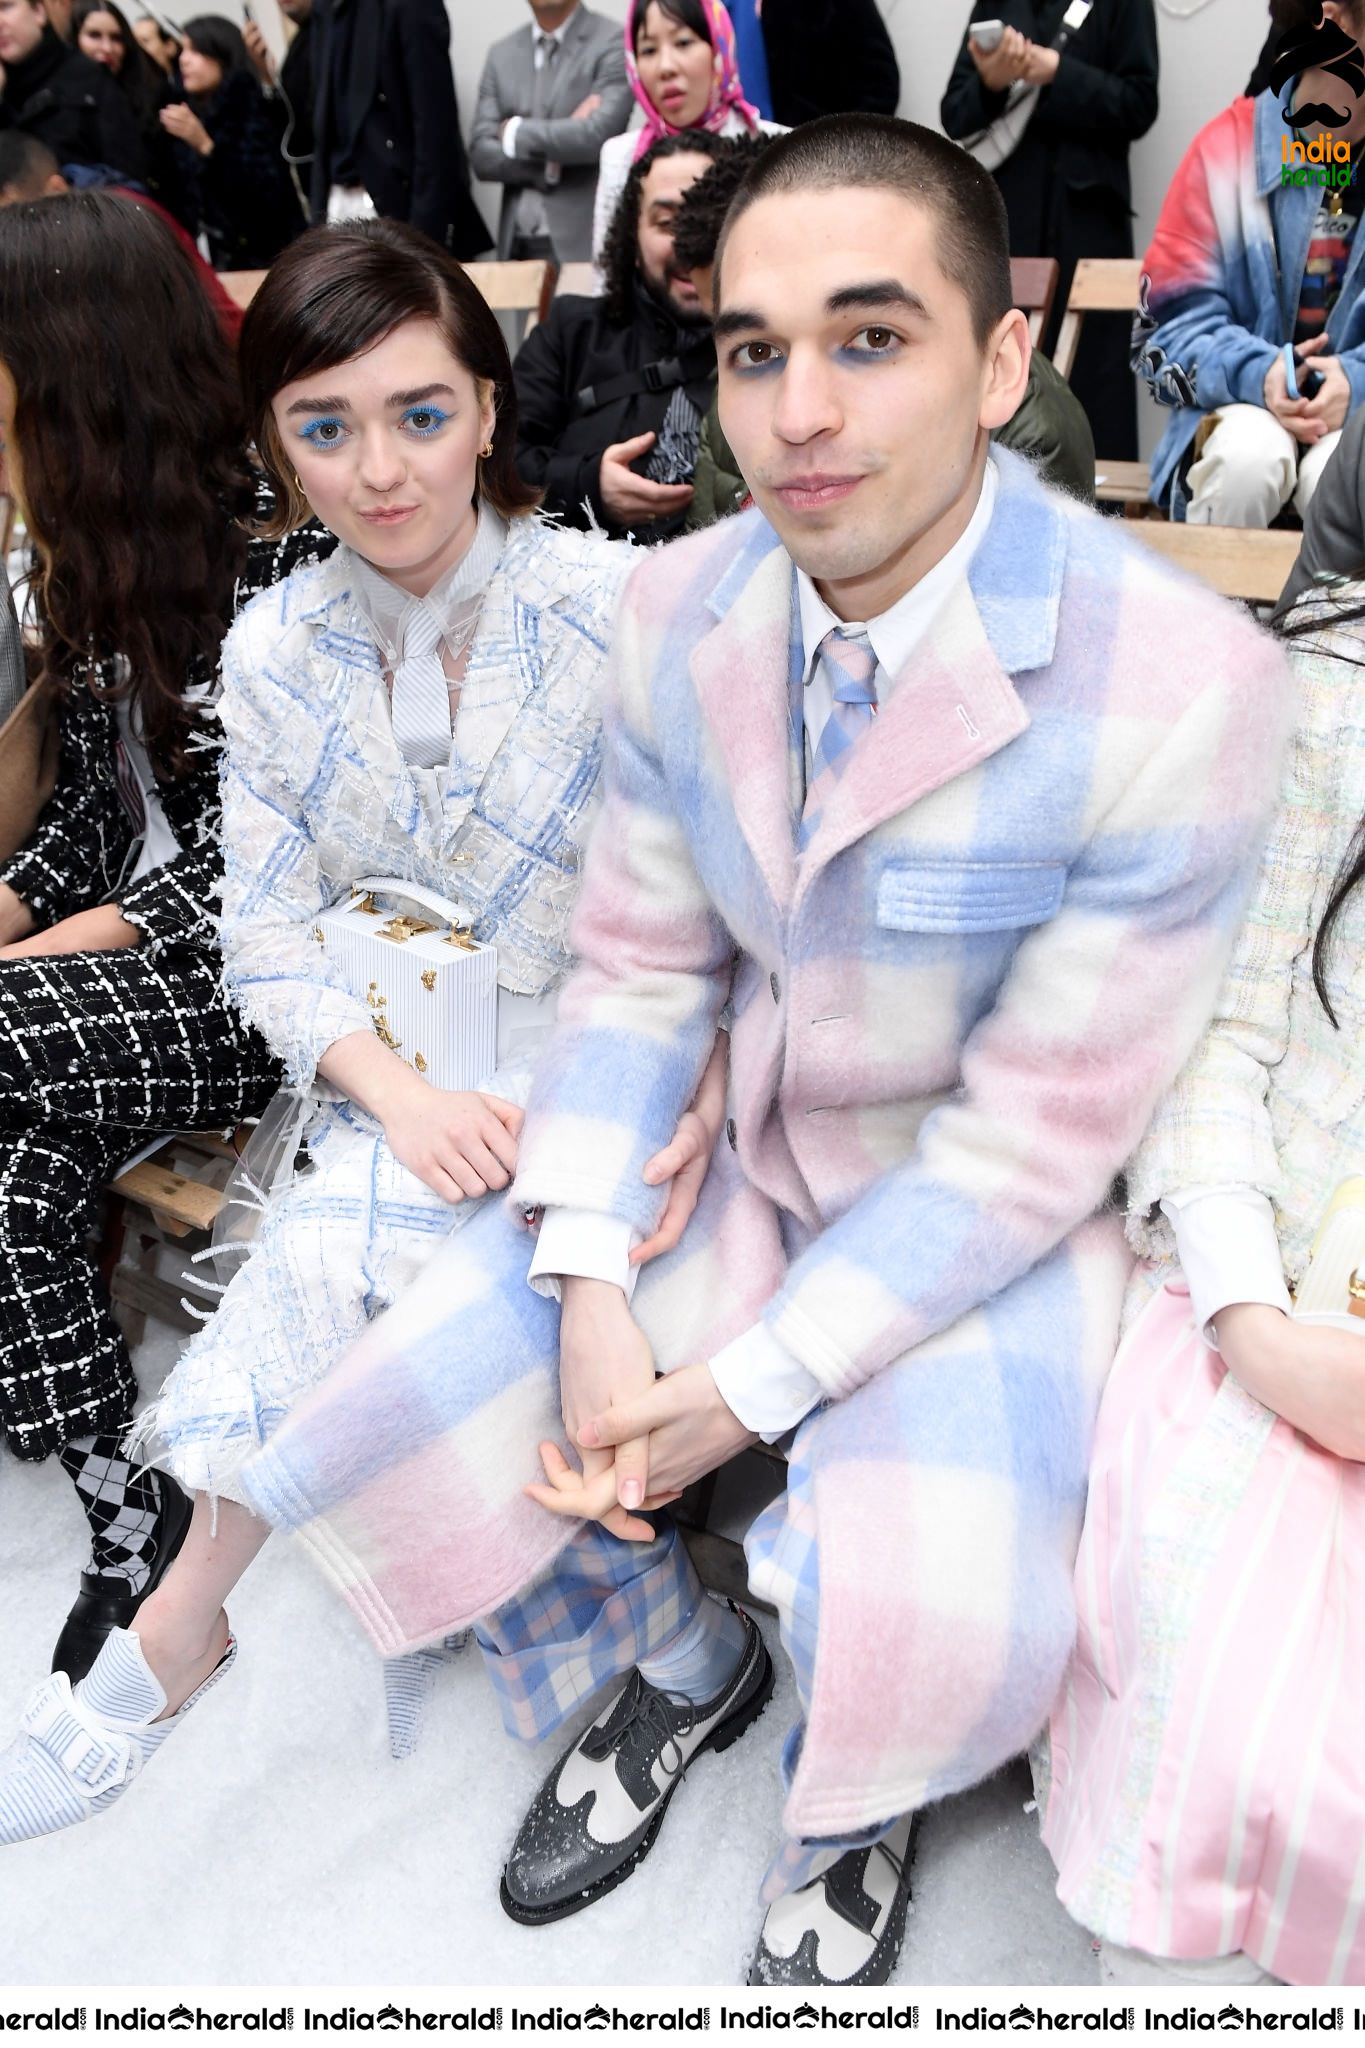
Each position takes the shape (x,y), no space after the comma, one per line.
(897,632)
(388,607)
(540,36)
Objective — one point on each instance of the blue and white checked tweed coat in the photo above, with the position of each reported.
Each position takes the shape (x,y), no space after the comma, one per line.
(315,795)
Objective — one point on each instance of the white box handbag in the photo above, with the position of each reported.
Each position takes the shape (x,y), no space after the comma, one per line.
(1332,1289)
(430,986)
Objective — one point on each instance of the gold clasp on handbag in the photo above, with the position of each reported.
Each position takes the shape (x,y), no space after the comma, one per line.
(365,904)
(461,935)
(401,929)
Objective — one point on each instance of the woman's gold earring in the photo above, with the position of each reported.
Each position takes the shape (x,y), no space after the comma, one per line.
(298,485)
(486,452)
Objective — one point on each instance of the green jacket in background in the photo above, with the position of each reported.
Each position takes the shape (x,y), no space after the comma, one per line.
(1050,428)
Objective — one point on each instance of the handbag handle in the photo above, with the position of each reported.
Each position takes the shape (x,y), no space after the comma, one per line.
(413,892)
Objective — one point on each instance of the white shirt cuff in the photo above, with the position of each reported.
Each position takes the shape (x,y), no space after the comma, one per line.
(763,1384)
(586,1245)
(509,135)
(1228,1249)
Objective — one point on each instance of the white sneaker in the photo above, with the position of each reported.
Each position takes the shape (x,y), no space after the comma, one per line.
(78,1751)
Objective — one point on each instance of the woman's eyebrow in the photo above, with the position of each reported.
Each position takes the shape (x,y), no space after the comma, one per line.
(317,405)
(397,398)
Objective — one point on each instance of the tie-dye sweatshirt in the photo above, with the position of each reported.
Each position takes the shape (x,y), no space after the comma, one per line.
(1224,278)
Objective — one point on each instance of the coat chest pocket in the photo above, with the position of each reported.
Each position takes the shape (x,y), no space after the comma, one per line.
(969,896)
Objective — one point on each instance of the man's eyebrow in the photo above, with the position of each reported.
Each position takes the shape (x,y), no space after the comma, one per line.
(739,320)
(882,291)
(317,405)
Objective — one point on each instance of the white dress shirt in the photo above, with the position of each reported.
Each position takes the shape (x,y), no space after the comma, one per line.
(760,1380)
(1226,1242)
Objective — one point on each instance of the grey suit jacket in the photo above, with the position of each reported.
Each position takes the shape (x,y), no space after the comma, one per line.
(591,60)
(1334,525)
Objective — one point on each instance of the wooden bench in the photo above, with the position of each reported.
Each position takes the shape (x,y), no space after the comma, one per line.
(507,287)
(172,1196)
(1104,285)
(1250,564)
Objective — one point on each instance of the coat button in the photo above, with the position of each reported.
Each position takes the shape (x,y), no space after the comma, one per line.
(731,1133)
(776,986)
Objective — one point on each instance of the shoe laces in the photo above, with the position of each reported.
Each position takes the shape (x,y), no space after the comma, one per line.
(651,1720)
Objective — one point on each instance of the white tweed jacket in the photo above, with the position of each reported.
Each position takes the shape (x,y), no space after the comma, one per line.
(317,794)
(1274,1097)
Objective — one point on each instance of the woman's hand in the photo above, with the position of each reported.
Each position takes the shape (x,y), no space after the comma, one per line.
(16,919)
(686,1157)
(1040,64)
(1000,67)
(460,1144)
(185,125)
(103,930)
(1314,1377)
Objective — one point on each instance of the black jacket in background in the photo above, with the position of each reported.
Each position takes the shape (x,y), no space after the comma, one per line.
(829,57)
(298,90)
(409,155)
(1066,187)
(561,452)
(63,99)
(245,199)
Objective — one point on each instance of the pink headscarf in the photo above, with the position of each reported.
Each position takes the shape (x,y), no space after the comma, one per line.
(727,92)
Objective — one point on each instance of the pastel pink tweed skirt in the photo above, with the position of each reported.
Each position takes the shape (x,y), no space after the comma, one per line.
(1208,1748)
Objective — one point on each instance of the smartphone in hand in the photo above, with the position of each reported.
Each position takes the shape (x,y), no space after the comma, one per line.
(986,34)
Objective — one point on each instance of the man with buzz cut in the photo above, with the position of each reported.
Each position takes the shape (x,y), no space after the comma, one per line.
(953,795)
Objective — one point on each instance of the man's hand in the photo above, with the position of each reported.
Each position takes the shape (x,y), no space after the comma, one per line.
(690,1430)
(636,500)
(1311,1376)
(186,126)
(1000,67)
(259,52)
(586,107)
(1294,414)
(604,1360)
(104,930)
(686,1157)
(1333,402)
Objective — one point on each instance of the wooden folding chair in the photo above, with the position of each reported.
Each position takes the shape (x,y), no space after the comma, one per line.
(1033,286)
(1104,284)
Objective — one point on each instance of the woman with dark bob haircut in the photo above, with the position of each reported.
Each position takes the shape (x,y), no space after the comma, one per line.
(113,1021)
(423,706)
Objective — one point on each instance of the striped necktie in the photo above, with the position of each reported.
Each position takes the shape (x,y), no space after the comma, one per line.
(421,693)
(850,667)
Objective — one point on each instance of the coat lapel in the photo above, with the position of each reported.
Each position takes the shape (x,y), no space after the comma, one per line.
(956,704)
(741,673)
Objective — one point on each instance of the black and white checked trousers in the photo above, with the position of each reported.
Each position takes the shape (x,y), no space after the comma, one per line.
(98,1053)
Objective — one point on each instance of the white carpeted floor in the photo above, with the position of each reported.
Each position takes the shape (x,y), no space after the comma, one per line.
(273,1840)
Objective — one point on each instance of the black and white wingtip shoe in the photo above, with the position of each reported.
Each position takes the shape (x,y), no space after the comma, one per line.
(104,1602)
(846,1927)
(600,1810)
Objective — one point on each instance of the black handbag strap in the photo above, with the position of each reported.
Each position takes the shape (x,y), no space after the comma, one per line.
(664,375)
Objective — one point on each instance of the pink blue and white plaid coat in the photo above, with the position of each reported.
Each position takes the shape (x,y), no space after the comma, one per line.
(954,1012)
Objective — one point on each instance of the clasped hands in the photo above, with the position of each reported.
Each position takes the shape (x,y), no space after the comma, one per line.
(1014,58)
(641,1440)
(1309,419)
